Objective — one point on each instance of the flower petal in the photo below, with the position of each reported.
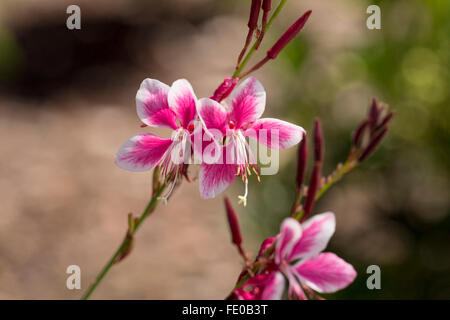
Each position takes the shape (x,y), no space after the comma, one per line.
(274,287)
(142,152)
(248,101)
(152,105)
(326,274)
(316,232)
(213,114)
(183,101)
(290,232)
(215,178)
(274,133)
(295,291)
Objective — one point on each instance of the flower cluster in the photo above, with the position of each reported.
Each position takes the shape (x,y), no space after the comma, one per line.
(223,129)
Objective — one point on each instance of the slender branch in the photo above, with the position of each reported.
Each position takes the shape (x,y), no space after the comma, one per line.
(255,45)
(348,166)
(126,241)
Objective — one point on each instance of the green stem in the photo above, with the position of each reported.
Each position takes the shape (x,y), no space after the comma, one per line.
(126,242)
(348,165)
(253,48)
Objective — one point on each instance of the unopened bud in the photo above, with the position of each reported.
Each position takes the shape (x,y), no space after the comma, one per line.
(373,145)
(288,35)
(318,141)
(312,189)
(233,222)
(358,133)
(301,161)
(385,120)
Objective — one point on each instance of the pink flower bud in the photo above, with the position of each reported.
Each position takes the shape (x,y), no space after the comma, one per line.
(224,89)
(288,35)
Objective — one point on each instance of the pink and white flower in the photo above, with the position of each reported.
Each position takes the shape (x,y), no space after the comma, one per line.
(234,125)
(159,105)
(299,259)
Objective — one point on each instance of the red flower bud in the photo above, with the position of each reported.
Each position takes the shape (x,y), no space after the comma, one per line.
(373,145)
(385,120)
(252,24)
(301,161)
(318,141)
(267,5)
(312,189)
(374,114)
(359,132)
(288,35)
(236,237)
(254,14)
(224,89)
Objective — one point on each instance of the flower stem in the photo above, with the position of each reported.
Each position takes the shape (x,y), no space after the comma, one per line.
(348,166)
(126,241)
(255,45)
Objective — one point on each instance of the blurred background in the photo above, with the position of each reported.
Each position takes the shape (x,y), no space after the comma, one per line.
(67,105)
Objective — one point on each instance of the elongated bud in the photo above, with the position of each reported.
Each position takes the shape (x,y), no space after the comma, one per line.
(236,237)
(254,14)
(301,162)
(312,189)
(288,35)
(359,132)
(224,89)
(266,6)
(374,113)
(252,24)
(385,120)
(373,145)
(318,141)
(314,181)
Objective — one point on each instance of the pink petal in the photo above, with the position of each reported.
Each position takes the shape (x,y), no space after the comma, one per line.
(290,232)
(142,152)
(326,274)
(316,232)
(295,290)
(247,102)
(215,178)
(183,101)
(275,134)
(213,114)
(152,105)
(274,287)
